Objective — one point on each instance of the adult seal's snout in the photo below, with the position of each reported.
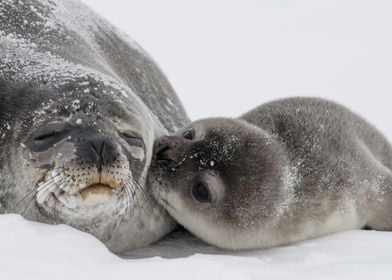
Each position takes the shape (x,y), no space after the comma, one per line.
(80,107)
(97,149)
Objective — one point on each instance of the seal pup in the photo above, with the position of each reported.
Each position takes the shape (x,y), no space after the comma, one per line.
(286,171)
(80,107)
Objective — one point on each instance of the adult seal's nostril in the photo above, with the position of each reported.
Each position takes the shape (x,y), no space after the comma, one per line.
(98,150)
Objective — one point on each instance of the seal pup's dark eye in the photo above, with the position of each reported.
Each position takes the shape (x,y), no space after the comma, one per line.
(201,192)
(189,134)
(132,138)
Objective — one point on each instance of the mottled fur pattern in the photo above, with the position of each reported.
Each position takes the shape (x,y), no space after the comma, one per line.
(80,105)
(286,171)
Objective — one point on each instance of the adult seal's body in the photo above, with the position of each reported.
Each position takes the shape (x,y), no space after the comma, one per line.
(286,171)
(80,107)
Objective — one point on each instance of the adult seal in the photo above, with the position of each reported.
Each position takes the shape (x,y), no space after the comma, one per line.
(80,107)
(286,171)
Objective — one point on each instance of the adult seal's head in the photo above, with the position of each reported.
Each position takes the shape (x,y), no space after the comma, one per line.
(80,107)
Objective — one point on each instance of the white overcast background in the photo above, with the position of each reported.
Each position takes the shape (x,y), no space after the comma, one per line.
(225,57)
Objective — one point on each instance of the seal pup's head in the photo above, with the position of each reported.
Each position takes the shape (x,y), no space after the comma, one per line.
(80,156)
(223,179)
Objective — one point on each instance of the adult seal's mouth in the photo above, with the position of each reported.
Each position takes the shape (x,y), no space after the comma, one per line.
(96,194)
(97,190)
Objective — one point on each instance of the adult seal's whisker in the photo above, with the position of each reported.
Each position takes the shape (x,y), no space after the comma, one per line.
(143,195)
(32,192)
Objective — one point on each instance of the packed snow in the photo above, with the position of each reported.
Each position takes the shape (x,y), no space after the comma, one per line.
(30,250)
(224,58)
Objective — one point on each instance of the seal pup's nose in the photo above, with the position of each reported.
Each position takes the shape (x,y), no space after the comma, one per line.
(165,149)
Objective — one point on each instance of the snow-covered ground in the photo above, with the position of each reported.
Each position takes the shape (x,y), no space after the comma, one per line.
(224,57)
(31,250)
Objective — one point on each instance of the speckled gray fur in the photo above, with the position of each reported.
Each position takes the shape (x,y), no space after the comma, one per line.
(289,170)
(62,63)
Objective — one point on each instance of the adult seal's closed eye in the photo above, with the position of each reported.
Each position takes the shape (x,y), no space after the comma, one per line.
(80,107)
(286,171)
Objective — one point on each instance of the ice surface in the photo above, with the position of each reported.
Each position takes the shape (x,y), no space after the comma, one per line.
(30,250)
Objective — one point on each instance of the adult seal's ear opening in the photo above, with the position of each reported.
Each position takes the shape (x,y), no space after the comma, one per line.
(80,107)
